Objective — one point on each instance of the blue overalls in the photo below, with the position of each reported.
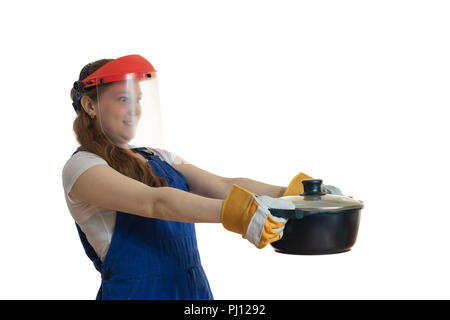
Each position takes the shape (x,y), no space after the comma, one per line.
(150,258)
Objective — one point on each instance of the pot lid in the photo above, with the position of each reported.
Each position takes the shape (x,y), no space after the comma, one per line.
(313,199)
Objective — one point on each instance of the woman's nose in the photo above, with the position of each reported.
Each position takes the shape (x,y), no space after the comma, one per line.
(134,109)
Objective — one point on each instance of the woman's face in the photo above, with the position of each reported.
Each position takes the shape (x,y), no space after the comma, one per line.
(119,111)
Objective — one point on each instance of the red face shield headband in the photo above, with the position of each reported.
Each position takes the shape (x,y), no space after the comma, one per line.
(123,68)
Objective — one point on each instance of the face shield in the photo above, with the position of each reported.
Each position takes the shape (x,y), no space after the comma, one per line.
(128,108)
(129,112)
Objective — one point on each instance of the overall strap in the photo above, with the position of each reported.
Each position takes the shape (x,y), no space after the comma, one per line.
(78,149)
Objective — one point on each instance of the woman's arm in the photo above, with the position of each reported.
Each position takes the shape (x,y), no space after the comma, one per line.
(178,205)
(105,187)
(210,185)
(258,187)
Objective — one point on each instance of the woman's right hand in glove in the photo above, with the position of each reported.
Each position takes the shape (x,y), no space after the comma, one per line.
(248,214)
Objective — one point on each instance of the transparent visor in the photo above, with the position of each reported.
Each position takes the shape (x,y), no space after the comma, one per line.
(129,112)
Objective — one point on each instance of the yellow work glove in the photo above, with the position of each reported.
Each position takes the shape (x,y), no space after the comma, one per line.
(248,214)
(296,186)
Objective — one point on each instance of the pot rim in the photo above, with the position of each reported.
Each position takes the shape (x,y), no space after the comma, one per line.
(300,213)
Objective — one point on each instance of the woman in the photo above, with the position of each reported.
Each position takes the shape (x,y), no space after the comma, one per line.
(135,207)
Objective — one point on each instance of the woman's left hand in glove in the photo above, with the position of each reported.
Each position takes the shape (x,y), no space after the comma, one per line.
(295,187)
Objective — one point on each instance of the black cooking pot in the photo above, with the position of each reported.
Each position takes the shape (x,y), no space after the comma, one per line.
(320,223)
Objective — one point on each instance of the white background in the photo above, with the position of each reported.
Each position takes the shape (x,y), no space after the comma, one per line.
(353,92)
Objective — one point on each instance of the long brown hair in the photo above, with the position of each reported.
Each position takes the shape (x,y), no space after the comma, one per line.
(92,139)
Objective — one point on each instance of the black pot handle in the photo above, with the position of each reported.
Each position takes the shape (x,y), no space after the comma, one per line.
(294,213)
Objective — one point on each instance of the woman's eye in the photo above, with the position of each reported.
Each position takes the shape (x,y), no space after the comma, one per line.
(127,100)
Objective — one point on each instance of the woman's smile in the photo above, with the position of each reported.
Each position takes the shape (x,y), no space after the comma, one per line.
(129,123)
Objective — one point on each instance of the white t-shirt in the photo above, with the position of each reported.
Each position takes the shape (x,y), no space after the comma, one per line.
(96,222)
